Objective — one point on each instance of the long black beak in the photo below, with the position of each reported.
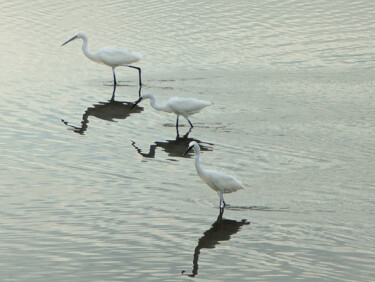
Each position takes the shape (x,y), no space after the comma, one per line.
(71,39)
(187,151)
(136,102)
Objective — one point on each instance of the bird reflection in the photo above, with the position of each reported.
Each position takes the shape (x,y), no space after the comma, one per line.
(107,111)
(114,91)
(221,230)
(174,148)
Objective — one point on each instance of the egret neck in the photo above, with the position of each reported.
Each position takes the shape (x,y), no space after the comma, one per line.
(198,166)
(86,51)
(153,102)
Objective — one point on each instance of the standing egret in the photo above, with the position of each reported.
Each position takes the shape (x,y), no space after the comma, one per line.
(110,56)
(180,106)
(218,181)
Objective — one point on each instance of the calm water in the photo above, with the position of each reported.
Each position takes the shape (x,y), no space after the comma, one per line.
(108,196)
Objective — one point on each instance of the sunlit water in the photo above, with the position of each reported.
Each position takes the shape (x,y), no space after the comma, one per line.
(106,194)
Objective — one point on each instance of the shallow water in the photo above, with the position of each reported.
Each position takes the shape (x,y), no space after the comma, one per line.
(94,190)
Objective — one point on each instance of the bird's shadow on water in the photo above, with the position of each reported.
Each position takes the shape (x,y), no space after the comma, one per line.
(221,230)
(109,111)
(174,147)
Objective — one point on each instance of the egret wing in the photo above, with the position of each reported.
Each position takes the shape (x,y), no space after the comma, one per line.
(114,56)
(187,106)
(223,182)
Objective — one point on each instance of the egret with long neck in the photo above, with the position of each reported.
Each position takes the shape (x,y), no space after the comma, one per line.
(179,106)
(110,56)
(218,181)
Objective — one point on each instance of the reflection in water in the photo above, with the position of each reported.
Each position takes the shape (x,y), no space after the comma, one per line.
(106,111)
(175,147)
(115,85)
(221,230)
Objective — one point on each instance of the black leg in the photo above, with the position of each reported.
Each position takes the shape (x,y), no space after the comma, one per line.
(113,94)
(177,122)
(191,125)
(140,77)
(178,134)
(139,73)
(221,214)
(114,79)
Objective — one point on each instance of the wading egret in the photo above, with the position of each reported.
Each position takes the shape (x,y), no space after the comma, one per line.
(218,181)
(180,106)
(110,56)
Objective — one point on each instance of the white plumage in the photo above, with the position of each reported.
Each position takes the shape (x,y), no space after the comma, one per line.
(115,57)
(218,181)
(110,56)
(179,106)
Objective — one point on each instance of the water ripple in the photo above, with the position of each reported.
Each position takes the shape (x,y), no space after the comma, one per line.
(293,87)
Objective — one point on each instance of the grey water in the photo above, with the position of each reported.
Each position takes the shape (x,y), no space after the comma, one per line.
(91,190)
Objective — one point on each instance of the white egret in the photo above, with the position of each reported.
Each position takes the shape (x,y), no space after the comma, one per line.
(218,181)
(110,56)
(180,106)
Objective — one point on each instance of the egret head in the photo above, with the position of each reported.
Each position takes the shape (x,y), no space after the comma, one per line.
(191,146)
(78,35)
(143,97)
(137,102)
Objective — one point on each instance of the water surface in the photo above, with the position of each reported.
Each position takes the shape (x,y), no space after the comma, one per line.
(94,190)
